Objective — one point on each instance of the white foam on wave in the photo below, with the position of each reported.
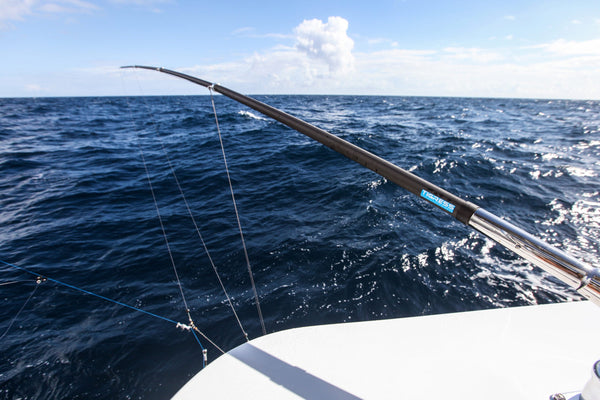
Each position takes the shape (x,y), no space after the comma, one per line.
(376,183)
(580,172)
(251,115)
(584,216)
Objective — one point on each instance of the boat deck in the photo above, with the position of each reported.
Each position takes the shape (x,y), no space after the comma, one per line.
(511,353)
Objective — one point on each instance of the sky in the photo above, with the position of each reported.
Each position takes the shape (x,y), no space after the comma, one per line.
(524,49)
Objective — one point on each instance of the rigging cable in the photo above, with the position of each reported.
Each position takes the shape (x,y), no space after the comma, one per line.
(262,321)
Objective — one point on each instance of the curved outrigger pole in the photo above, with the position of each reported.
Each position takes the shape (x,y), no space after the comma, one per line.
(581,276)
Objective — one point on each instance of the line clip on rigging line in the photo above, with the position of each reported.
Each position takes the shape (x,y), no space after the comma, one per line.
(183,327)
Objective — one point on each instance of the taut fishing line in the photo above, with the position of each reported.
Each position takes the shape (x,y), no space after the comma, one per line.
(260,316)
(249,268)
(164,234)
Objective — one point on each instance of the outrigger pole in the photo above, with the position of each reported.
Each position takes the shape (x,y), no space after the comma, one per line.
(579,275)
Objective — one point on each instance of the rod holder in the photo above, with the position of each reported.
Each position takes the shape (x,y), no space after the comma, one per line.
(591,391)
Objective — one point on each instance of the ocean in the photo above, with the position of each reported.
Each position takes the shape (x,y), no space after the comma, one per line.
(328,241)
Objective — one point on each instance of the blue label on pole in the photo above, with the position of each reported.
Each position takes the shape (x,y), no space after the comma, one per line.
(437,201)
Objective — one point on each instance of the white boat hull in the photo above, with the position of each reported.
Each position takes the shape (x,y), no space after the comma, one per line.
(512,353)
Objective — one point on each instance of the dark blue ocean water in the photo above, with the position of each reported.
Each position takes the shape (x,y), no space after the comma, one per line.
(328,241)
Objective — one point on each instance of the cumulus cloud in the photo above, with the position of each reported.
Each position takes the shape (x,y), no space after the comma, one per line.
(319,58)
(327,42)
(280,70)
(311,61)
(322,60)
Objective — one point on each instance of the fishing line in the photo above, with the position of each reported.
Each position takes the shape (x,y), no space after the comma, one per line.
(260,316)
(10,283)
(210,87)
(177,182)
(178,324)
(37,283)
(162,227)
(165,235)
(202,239)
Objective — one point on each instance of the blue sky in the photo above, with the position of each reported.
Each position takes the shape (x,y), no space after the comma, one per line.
(542,49)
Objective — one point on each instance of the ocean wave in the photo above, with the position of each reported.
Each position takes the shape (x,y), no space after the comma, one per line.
(251,115)
(328,240)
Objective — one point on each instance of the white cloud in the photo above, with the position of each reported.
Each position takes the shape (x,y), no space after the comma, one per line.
(143,3)
(557,69)
(15,10)
(382,42)
(280,70)
(33,87)
(471,54)
(250,32)
(246,30)
(377,41)
(67,6)
(561,69)
(564,47)
(320,57)
(327,42)
(150,5)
